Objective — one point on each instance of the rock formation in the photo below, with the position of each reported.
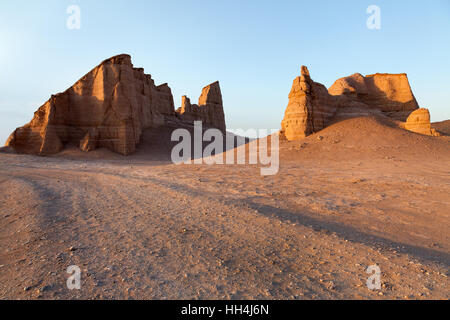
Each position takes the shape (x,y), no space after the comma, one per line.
(312,107)
(209,109)
(419,122)
(109,107)
(390,93)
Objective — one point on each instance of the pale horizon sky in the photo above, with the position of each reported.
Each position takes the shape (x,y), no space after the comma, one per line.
(254,48)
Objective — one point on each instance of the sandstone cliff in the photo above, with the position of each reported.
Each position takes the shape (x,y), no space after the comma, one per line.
(109,107)
(209,109)
(312,107)
(390,93)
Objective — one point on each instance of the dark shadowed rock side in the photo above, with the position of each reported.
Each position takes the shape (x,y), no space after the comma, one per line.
(109,108)
(209,109)
(312,107)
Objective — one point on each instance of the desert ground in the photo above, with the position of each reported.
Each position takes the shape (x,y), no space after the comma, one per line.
(360,192)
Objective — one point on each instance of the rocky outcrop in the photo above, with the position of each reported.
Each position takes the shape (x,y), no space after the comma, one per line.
(309,109)
(209,109)
(109,107)
(390,93)
(419,122)
(312,107)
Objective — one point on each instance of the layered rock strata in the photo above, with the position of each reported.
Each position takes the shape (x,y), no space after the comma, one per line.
(312,107)
(389,93)
(109,107)
(309,109)
(209,109)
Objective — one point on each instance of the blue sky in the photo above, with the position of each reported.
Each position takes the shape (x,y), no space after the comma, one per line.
(254,48)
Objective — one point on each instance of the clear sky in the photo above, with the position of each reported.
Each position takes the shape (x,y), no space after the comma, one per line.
(253,47)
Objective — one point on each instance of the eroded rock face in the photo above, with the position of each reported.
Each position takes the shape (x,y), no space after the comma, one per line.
(312,107)
(419,122)
(390,93)
(309,109)
(209,109)
(109,107)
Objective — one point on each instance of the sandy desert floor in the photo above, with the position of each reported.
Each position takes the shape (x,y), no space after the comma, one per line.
(356,194)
